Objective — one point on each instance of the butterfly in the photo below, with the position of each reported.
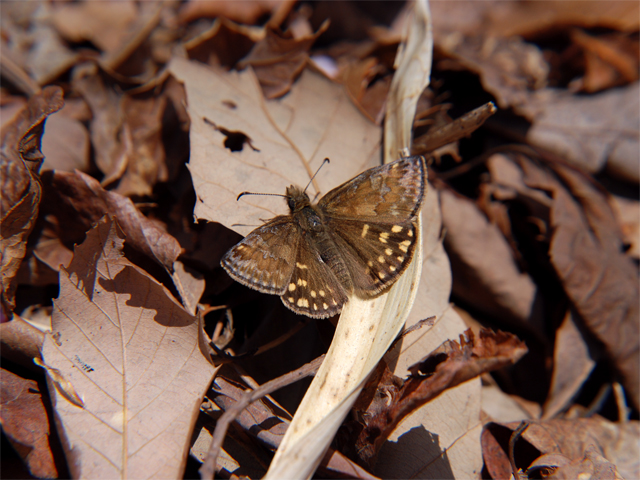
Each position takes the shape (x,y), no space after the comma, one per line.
(358,239)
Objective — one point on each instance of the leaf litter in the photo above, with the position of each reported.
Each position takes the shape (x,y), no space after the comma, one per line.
(536,238)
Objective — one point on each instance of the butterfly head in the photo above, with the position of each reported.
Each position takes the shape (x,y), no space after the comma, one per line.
(297,199)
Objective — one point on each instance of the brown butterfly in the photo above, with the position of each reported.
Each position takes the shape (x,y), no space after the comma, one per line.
(358,239)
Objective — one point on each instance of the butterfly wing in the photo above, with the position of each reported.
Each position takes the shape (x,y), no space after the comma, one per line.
(375,254)
(372,218)
(265,259)
(391,193)
(313,289)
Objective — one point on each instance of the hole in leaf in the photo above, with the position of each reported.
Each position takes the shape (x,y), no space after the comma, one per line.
(235,139)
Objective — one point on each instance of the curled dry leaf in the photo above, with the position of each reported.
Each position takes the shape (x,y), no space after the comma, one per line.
(80,202)
(20,160)
(33,53)
(65,144)
(131,352)
(25,423)
(370,100)
(597,132)
(63,386)
(446,367)
(224,44)
(278,59)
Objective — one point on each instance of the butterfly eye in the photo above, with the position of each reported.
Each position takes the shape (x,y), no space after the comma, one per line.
(292,203)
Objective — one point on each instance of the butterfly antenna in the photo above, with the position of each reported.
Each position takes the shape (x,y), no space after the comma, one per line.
(326,160)
(252,193)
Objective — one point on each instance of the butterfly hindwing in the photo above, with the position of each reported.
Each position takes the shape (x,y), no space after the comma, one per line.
(391,193)
(376,254)
(313,289)
(264,260)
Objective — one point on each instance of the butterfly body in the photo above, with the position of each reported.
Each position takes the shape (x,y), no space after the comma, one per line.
(358,239)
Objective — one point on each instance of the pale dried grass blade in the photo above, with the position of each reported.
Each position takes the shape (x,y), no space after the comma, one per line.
(366,328)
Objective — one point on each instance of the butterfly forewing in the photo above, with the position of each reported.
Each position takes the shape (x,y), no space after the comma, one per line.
(390,193)
(313,289)
(265,259)
(376,254)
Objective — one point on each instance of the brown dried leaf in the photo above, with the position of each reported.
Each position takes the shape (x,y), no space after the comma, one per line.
(65,144)
(31,44)
(586,252)
(20,160)
(356,78)
(597,132)
(223,45)
(610,60)
(131,353)
(246,12)
(264,146)
(105,25)
(279,58)
(514,18)
(80,202)
(446,367)
(618,443)
(508,68)
(593,465)
(21,342)
(487,273)
(572,365)
(26,424)
(126,133)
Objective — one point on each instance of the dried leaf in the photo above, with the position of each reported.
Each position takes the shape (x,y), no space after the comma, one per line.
(20,160)
(65,144)
(375,323)
(572,365)
(593,465)
(21,342)
(105,25)
(610,61)
(132,354)
(488,276)
(586,253)
(370,100)
(224,44)
(446,367)
(618,443)
(278,59)
(246,12)
(126,133)
(248,144)
(598,132)
(80,202)
(26,424)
